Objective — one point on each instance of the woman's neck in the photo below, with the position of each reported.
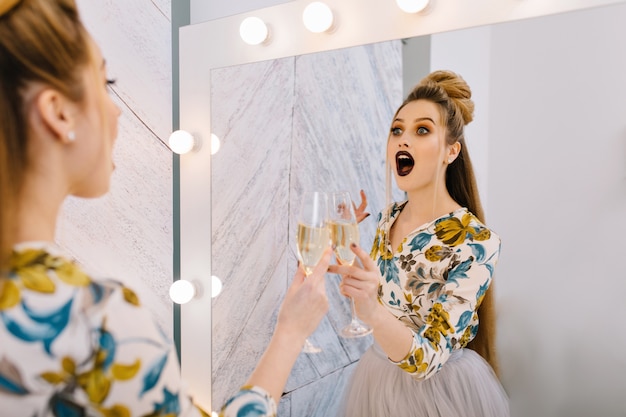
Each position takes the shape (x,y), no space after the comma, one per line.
(424,206)
(37,213)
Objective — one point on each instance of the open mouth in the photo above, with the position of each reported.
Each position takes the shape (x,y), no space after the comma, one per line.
(404,163)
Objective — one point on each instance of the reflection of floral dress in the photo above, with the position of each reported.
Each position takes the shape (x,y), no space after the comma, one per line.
(434,283)
(74,346)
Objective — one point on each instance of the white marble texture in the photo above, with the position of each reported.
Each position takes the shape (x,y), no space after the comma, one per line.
(287,127)
(127,234)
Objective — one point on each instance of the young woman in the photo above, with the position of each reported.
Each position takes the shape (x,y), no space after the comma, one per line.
(67,347)
(429,276)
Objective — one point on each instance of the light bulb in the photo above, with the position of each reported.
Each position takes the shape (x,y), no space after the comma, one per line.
(253,30)
(181,141)
(215,144)
(412,6)
(182,291)
(216,286)
(317,17)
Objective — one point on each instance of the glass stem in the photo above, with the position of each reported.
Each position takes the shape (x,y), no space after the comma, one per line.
(353,309)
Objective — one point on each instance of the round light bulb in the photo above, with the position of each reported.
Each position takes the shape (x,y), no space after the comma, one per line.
(181,141)
(182,291)
(253,30)
(317,17)
(216,286)
(412,6)
(215,144)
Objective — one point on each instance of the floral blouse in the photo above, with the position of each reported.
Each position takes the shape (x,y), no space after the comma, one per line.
(434,283)
(71,346)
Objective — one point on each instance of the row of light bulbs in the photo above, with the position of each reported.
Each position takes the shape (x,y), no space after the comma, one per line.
(317,17)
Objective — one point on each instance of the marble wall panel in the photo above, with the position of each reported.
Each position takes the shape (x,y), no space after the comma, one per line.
(287,127)
(251,113)
(127,234)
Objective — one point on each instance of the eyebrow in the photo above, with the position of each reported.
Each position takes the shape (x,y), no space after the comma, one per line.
(419,119)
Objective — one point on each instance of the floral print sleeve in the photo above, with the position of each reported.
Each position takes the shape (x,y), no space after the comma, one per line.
(250,401)
(435,282)
(72,346)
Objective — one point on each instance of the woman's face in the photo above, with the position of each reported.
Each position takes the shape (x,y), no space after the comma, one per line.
(416,148)
(96,131)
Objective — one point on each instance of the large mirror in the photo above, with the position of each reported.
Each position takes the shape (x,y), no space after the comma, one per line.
(549,142)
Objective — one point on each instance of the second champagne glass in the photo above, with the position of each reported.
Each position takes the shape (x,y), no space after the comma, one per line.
(344,231)
(312,237)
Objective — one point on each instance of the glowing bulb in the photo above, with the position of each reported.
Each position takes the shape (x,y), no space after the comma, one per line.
(216,286)
(253,30)
(181,141)
(182,291)
(317,17)
(412,6)
(215,144)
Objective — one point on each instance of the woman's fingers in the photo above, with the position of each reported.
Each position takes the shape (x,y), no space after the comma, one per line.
(360,210)
(364,257)
(322,266)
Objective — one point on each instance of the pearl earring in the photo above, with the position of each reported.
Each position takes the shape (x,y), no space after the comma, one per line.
(450,160)
(71,136)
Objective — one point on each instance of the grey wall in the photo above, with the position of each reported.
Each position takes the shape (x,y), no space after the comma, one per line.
(127,234)
(557,196)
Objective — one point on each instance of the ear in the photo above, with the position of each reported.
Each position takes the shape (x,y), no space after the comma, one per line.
(453,152)
(56,113)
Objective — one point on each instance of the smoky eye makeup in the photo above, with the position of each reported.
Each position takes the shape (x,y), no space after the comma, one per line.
(396,131)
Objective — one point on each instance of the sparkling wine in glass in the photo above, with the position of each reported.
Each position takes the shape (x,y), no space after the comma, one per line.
(312,238)
(344,231)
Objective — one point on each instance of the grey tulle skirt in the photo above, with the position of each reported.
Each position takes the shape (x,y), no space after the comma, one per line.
(465,386)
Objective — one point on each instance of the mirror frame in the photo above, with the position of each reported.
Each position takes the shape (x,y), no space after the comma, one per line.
(216,44)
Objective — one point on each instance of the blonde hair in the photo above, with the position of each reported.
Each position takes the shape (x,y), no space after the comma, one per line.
(41,41)
(452,95)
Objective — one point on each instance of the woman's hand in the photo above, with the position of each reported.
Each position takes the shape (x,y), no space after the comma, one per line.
(361,284)
(306,302)
(360,210)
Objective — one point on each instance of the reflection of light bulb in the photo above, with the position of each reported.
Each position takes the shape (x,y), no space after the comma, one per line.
(216,286)
(412,6)
(253,30)
(214,414)
(181,141)
(182,291)
(215,144)
(317,17)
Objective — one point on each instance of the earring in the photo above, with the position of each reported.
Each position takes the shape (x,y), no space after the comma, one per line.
(71,136)
(450,160)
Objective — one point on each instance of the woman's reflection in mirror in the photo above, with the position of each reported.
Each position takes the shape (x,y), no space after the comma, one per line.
(428,282)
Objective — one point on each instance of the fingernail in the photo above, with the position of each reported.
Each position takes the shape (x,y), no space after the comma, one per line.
(334,246)
(353,245)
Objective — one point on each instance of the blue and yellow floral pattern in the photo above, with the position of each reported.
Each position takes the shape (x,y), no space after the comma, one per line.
(71,346)
(434,282)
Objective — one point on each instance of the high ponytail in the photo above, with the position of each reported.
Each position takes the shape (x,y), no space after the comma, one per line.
(41,41)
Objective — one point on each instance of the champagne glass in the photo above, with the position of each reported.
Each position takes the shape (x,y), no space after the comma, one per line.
(312,238)
(344,230)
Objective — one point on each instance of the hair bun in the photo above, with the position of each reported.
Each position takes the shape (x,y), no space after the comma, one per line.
(457,89)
